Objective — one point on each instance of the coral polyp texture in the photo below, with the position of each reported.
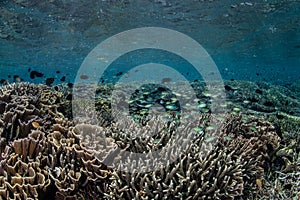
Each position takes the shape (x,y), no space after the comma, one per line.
(45,155)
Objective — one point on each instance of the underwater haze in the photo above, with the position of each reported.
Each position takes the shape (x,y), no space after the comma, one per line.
(150,99)
(255,40)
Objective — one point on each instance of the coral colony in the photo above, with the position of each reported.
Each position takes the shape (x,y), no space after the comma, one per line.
(43,155)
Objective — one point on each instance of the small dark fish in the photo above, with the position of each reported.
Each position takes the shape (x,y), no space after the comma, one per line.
(165,80)
(49,81)
(63,79)
(70,85)
(297,46)
(57,71)
(258,91)
(2,81)
(34,74)
(119,73)
(228,88)
(83,77)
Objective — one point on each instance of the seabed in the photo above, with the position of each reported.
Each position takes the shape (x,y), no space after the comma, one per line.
(46,154)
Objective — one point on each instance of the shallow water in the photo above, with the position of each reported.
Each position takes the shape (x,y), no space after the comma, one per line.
(196,62)
(255,41)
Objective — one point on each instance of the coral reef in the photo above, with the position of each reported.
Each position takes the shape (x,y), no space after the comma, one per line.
(262,97)
(26,106)
(44,155)
(24,174)
(228,171)
(45,159)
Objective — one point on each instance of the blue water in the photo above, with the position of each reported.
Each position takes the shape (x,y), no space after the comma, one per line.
(255,40)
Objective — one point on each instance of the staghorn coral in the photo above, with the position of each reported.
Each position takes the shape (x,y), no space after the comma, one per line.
(228,171)
(98,115)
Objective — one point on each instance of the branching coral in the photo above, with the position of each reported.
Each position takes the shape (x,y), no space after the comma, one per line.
(228,171)
(44,155)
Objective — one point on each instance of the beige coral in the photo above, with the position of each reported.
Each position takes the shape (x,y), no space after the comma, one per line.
(42,153)
(24,175)
(228,171)
(23,104)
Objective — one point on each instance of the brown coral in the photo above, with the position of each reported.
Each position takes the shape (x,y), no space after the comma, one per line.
(52,165)
(227,172)
(43,154)
(41,157)
(23,104)
(24,174)
(72,167)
